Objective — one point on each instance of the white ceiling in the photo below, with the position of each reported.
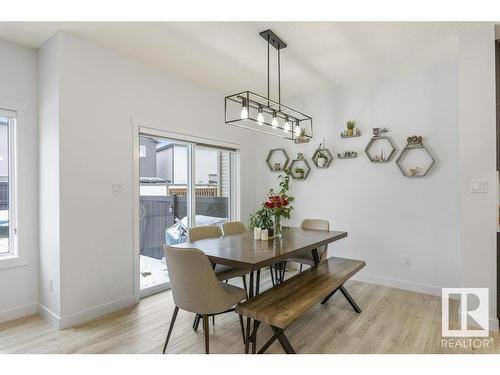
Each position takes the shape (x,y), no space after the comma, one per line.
(232,56)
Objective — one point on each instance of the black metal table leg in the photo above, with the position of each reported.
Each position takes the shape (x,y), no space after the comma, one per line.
(350,299)
(315,255)
(250,289)
(257,283)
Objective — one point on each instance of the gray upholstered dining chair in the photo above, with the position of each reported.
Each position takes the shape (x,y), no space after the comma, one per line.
(204,231)
(222,272)
(306,257)
(233,227)
(195,288)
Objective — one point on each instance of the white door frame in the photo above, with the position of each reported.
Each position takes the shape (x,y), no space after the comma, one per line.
(139,128)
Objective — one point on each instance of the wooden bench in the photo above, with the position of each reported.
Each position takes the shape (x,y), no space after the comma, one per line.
(283,304)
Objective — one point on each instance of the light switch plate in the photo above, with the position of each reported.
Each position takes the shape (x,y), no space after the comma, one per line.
(117,188)
(479,186)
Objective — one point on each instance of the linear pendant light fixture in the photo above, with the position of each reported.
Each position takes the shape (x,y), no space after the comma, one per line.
(249,110)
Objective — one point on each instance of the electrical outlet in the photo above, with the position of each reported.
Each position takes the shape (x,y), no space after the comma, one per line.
(51,284)
(407,261)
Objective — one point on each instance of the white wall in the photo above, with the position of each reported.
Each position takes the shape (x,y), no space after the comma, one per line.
(49,207)
(448,232)
(18,83)
(387,215)
(477,130)
(99,92)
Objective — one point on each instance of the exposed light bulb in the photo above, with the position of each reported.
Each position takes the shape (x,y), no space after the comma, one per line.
(274,122)
(244,110)
(297,129)
(286,127)
(260,117)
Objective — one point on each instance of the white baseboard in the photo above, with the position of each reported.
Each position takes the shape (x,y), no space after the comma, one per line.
(95,312)
(17,312)
(398,284)
(85,315)
(50,317)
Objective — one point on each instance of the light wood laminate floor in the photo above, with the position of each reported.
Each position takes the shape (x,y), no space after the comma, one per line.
(392,321)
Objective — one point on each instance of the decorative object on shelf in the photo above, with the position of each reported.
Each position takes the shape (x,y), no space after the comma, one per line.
(277,166)
(299,173)
(415,143)
(299,167)
(380,148)
(347,155)
(259,113)
(278,202)
(322,157)
(350,131)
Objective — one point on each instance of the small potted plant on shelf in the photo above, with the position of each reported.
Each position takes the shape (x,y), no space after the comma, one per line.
(321,159)
(350,128)
(299,173)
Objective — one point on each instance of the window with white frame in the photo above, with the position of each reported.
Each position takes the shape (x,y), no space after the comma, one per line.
(8,228)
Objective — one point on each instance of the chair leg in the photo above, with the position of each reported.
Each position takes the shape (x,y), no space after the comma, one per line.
(284,270)
(272,275)
(301,266)
(196,322)
(213,319)
(176,310)
(205,329)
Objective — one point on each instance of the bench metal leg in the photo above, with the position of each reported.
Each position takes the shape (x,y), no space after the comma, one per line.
(256,324)
(346,295)
(269,342)
(328,297)
(350,299)
(285,344)
(242,328)
(247,336)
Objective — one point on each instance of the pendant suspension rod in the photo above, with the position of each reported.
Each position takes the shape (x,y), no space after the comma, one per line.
(279,78)
(268,70)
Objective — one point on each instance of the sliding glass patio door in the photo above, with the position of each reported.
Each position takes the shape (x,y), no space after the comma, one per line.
(181,184)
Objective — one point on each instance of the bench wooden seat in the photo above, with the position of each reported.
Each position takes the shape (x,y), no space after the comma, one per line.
(283,304)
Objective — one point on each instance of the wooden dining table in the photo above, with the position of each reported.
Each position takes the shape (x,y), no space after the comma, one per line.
(243,252)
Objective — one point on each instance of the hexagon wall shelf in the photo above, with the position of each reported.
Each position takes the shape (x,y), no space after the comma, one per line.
(414,143)
(383,157)
(300,162)
(283,163)
(325,152)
